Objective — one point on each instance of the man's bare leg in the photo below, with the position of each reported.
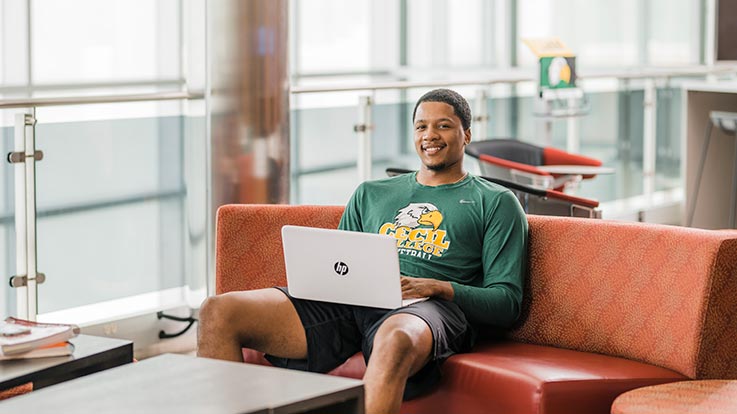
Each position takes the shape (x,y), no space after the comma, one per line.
(402,346)
(264,320)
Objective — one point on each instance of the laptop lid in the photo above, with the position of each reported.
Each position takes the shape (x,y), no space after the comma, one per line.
(342,266)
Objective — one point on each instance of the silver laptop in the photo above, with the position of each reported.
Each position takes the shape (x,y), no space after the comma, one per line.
(343,267)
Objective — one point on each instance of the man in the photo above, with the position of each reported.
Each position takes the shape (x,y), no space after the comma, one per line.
(462,243)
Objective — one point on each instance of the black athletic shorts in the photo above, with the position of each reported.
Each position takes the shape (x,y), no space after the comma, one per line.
(335,332)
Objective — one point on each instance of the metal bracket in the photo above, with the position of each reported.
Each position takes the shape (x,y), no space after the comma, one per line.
(362,127)
(19,156)
(17,281)
(164,335)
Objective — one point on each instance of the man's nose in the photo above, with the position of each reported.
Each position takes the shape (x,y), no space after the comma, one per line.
(430,133)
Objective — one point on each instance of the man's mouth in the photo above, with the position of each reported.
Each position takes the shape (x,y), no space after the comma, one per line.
(432,149)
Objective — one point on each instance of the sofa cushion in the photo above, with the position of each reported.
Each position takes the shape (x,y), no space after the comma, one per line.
(511,377)
(659,294)
(248,245)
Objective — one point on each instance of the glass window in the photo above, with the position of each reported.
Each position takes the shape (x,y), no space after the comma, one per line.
(599,33)
(332,36)
(623,33)
(103,40)
(673,36)
(447,33)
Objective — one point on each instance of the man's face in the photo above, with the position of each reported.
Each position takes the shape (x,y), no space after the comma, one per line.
(439,136)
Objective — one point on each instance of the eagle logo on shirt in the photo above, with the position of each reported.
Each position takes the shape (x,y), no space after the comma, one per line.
(416,228)
(417,214)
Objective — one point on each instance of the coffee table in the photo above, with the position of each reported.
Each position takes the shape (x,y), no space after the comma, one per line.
(91,354)
(173,383)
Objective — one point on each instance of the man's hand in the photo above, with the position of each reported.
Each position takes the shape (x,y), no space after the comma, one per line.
(415,287)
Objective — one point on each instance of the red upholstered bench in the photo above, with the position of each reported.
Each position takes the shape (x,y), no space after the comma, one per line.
(609,307)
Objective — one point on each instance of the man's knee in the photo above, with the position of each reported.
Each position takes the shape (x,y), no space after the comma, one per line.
(216,311)
(397,339)
(401,345)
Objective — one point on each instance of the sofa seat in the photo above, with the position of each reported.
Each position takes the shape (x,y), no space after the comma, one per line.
(511,377)
(522,378)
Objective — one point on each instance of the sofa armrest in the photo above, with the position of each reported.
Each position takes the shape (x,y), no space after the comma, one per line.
(248,252)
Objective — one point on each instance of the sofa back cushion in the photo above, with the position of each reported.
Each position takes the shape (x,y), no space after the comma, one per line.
(664,295)
(248,244)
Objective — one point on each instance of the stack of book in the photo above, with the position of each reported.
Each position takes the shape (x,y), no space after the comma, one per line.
(27,339)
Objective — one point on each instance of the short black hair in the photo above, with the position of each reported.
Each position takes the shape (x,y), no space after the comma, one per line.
(452,98)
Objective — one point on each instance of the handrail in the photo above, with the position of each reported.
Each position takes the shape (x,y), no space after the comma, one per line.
(98,99)
(76,86)
(409,84)
(522,75)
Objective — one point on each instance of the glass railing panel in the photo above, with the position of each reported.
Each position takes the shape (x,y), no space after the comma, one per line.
(611,131)
(668,146)
(93,161)
(115,203)
(109,253)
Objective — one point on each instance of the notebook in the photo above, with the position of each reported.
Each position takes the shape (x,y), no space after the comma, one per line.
(343,267)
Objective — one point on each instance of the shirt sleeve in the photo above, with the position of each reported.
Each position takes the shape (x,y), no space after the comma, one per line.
(498,300)
(351,219)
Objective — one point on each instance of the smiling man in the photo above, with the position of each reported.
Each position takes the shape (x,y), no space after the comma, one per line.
(461,242)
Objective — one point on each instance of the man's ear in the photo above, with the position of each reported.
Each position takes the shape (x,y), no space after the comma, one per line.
(467,136)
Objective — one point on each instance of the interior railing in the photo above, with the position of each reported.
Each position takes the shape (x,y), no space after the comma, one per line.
(650,79)
(24,157)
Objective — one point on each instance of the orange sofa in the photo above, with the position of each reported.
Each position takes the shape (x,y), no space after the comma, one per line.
(609,307)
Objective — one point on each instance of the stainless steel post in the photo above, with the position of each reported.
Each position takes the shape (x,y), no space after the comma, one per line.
(363,129)
(24,157)
(481,116)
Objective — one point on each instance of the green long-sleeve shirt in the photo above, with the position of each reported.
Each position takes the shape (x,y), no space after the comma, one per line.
(472,233)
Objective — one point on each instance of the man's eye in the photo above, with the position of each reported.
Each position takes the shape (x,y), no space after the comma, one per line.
(419,127)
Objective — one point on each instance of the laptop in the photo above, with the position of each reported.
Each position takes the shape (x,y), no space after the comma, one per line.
(343,267)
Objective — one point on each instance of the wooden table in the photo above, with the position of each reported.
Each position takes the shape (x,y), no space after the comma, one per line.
(91,354)
(172,383)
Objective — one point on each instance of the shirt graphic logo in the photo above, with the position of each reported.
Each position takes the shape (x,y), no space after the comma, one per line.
(416,228)
(462,201)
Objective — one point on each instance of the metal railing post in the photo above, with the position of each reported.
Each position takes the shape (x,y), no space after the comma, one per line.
(481,120)
(24,157)
(573,141)
(363,129)
(650,107)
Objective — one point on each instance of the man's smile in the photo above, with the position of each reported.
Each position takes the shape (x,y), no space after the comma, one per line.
(432,149)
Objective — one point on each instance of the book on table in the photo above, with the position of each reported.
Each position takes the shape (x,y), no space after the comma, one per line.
(18,336)
(54,350)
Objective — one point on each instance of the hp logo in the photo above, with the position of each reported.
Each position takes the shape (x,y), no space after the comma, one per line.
(340,268)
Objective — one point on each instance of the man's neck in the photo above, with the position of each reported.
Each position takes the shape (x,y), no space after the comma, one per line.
(435,178)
